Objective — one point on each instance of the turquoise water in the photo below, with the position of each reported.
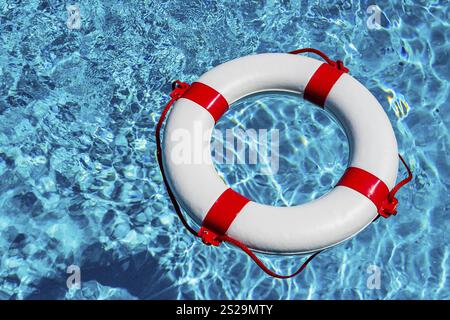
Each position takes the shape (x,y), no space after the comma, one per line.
(79,183)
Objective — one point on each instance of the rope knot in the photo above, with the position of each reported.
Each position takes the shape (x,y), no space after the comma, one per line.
(340,66)
(208,237)
(178,89)
(388,207)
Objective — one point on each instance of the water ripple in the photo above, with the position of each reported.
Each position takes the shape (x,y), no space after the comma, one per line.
(79,181)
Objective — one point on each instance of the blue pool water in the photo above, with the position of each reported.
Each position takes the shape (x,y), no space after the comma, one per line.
(79,183)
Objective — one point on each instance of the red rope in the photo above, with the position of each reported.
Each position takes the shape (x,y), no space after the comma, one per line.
(178,88)
(389,206)
(337,64)
(260,264)
(401,183)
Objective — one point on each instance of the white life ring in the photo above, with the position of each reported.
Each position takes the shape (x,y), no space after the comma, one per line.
(324,222)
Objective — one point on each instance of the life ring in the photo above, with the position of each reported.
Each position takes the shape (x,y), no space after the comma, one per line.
(361,195)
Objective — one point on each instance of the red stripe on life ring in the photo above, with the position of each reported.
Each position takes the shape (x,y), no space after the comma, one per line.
(223,212)
(320,84)
(208,98)
(365,183)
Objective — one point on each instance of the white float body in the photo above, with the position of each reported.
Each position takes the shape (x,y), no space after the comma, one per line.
(321,223)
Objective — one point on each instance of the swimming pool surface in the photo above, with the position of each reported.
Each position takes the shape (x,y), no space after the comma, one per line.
(79,182)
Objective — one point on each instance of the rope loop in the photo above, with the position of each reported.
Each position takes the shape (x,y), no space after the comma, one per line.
(339,64)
